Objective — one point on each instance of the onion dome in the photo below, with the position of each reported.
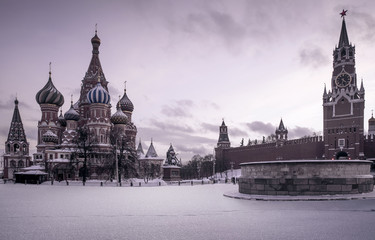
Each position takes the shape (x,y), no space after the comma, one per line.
(125,103)
(98,94)
(372,119)
(62,120)
(49,136)
(71,114)
(119,117)
(49,94)
(95,41)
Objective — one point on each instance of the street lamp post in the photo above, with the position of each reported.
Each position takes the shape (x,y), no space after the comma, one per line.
(116,159)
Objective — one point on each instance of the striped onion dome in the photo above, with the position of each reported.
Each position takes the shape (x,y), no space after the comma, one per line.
(49,136)
(125,103)
(71,114)
(49,94)
(98,95)
(119,117)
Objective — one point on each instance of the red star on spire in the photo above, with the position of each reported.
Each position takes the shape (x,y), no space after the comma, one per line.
(343,13)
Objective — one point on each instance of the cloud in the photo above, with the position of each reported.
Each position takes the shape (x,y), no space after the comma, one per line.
(298,132)
(236,132)
(164,126)
(180,108)
(9,104)
(211,25)
(208,127)
(313,56)
(192,149)
(362,24)
(262,128)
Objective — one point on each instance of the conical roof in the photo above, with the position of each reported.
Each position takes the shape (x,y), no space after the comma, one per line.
(344,40)
(151,152)
(281,125)
(140,149)
(16,131)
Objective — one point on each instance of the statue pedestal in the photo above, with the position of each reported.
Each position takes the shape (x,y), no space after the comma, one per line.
(171,173)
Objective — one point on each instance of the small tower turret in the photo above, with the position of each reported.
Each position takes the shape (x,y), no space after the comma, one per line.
(281,132)
(223,141)
(371,125)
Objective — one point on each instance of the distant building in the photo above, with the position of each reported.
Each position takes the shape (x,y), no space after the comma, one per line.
(149,164)
(343,123)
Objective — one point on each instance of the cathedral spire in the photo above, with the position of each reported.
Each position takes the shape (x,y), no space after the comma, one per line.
(16,131)
(95,64)
(344,40)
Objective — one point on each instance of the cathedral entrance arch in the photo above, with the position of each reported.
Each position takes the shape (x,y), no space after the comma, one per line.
(341,155)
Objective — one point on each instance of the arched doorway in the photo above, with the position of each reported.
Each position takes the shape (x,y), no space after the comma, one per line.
(341,155)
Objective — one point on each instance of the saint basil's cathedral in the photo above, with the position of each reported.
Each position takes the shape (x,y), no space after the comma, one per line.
(58,133)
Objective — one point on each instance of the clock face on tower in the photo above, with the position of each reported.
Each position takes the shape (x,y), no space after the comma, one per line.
(343,80)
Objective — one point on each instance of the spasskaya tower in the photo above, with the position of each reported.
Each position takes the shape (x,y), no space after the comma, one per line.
(343,105)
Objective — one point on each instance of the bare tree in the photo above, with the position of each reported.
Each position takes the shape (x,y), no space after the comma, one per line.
(84,141)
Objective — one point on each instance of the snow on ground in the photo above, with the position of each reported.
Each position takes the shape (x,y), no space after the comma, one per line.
(172,212)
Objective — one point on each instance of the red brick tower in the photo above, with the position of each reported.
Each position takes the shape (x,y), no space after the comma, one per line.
(343,105)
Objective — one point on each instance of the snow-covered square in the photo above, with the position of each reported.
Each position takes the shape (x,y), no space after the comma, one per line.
(173,212)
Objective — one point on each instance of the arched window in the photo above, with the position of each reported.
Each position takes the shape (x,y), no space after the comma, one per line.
(13,164)
(16,147)
(20,164)
(343,53)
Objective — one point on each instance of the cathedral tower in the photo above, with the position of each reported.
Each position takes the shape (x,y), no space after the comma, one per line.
(98,120)
(127,108)
(49,100)
(94,72)
(16,147)
(343,105)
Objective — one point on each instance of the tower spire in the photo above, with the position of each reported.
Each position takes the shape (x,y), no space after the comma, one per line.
(344,40)
(16,131)
(50,69)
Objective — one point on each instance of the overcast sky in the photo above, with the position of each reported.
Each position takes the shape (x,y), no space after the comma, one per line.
(187,64)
